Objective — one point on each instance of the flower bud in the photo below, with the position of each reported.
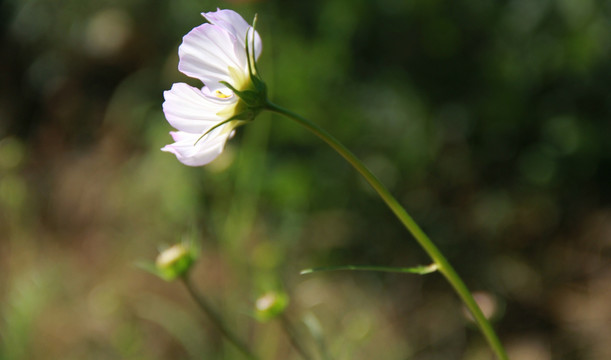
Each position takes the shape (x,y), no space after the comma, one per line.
(270,305)
(175,261)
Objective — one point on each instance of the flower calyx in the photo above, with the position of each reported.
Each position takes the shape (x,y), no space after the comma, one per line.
(252,100)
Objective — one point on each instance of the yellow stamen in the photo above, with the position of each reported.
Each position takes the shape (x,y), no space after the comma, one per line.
(220,95)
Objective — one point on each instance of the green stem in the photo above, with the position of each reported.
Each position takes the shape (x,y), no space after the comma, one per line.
(442,263)
(293,338)
(216,319)
(421,270)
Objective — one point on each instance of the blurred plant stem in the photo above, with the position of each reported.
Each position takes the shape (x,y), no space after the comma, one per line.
(442,263)
(216,319)
(293,337)
(420,270)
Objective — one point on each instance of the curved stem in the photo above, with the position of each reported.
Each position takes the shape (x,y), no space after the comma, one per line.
(431,249)
(293,338)
(216,319)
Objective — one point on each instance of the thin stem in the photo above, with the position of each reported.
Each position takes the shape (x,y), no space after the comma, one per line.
(431,249)
(421,270)
(216,319)
(293,338)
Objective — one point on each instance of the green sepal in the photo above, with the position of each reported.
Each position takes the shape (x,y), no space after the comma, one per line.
(254,99)
(149,267)
(180,268)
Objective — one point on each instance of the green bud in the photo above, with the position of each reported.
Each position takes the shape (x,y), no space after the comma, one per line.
(270,305)
(175,261)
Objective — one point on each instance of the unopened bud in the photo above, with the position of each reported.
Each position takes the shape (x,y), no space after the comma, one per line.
(175,261)
(271,305)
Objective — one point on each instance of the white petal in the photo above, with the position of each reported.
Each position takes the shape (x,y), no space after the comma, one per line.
(236,25)
(258,43)
(229,20)
(190,109)
(193,151)
(208,51)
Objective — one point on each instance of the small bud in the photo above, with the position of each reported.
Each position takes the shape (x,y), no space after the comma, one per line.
(271,305)
(175,261)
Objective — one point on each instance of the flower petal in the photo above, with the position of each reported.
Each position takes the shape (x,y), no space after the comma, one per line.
(229,20)
(208,51)
(190,109)
(193,151)
(232,22)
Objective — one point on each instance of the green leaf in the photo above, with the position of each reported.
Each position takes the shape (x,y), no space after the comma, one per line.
(420,270)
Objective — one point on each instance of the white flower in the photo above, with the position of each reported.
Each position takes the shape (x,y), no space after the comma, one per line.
(216,54)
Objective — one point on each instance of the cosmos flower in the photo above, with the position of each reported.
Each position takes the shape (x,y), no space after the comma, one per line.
(218,54)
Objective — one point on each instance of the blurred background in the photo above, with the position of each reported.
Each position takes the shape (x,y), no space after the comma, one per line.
(489,121)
